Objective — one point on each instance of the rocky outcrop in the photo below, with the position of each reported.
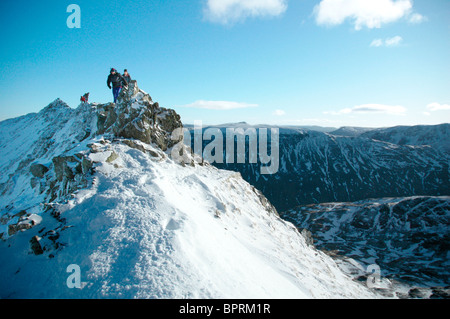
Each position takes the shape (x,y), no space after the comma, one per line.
(136,116)
(63,157)
(134,119)
(38,170)
(36,246)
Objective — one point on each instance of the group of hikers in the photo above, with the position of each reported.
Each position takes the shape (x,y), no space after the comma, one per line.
(117,80)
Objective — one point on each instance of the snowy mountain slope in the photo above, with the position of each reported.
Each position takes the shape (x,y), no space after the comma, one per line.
(407,238)
(436,136)
(95,187)
(35,139)
(318,167)
(350,131)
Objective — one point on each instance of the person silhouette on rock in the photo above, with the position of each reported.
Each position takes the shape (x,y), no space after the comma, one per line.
(117,81)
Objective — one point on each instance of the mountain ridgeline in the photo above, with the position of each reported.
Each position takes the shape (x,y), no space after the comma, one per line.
(351,165)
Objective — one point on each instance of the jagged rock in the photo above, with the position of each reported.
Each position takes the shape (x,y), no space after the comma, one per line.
(136,145)
(38,170)
(36,246)
(69,166)
(20,214)
(169,120)
(62,168)
(135,126)
(106,117)
(441,293)
(71,174)
(136,116)
(86,165)
(264,201)
(112,157)
(308,236)
(133,92)
(14,228)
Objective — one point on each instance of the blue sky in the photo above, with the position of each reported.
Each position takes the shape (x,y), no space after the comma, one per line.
(302,62)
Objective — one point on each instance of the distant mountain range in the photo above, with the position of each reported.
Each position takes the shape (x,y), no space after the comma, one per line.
(351,164)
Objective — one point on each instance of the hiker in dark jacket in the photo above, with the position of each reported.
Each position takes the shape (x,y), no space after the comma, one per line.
(126,76)
(117,81)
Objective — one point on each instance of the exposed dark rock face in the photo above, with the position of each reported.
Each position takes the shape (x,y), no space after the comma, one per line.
(136,116)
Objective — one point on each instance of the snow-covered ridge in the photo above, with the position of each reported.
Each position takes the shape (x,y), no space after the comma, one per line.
(436,136)
(50,150)
(95,188)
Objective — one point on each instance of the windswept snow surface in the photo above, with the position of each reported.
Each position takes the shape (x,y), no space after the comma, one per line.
(154,229)
(147,227)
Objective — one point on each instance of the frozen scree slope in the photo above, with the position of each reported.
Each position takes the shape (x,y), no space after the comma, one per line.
(95,188)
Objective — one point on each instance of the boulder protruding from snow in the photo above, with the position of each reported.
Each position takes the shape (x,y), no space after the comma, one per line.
(38,170)
(36,246)
(136,116)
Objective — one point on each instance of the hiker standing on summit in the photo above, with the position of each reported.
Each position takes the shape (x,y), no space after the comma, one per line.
(117,81)
(127,76)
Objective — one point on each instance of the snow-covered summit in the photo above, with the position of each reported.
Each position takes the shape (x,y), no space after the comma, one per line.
(95,189)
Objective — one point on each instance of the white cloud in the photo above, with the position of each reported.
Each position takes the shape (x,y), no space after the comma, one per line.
(379,108)
(218,105)
(372,108)
(279,113)
(377,43)
(417,18)
(437,107)
(363,13)
(389,42)
(230,11)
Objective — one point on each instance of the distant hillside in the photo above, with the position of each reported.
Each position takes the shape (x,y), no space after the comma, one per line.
(317,167)
(407,237)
